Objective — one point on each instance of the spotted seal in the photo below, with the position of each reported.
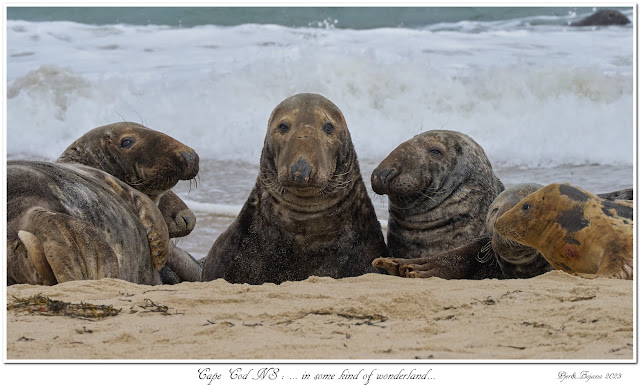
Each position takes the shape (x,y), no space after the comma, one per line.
(576,231)
(516,261)
(439,185)
(309,212)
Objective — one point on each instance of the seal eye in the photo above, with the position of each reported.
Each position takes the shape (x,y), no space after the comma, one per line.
(435,152)
(127,142)
(526,207)
(283,127)
(328,128)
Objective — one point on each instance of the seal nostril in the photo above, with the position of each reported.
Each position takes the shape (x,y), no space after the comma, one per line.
(187,156)
(191,165)
(301,172)
(386,174)
(381,177)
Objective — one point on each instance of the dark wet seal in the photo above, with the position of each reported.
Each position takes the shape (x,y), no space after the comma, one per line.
(440,185)
(620,210)
(573,193)
(624,194)
(309,212)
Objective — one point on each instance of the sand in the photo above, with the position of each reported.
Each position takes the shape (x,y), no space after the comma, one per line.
(553,316)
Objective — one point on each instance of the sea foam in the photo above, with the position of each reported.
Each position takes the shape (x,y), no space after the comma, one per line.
(531,96)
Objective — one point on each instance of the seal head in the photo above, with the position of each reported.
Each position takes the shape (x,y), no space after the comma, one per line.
(515,260)
(439,184)
(575,230)
(147,160)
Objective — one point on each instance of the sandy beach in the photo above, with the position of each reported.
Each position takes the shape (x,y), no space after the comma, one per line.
(554,317)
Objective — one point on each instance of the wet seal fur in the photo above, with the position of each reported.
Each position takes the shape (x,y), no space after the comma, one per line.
(576,231)
(74,222)
(602,17)
(439,184)
(149,161)
(309,212)
(123,151)
(152,163)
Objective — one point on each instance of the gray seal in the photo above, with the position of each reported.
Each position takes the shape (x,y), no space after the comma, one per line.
(439,185)
(516,261)
(309,212)
(575,230)
(73,222)
(152,163)
(146,160)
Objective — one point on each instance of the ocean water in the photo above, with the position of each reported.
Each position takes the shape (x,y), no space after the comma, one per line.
(548,102)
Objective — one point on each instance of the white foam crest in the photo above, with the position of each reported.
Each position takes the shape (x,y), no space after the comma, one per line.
(219,210)
(530,98)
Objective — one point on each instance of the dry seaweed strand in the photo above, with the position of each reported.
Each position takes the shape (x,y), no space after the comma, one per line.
(43,305)
(369,320)
(153,307)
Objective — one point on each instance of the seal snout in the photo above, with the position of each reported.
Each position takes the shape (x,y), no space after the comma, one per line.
(191,163)
(301,172)
(381,177)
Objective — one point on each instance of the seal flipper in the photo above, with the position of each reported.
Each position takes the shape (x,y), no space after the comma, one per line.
(183,264)
(152,220)
(179,218)
(35,252)
(72,248)
(20,268)
(459,263)
(391,265)
(150,217)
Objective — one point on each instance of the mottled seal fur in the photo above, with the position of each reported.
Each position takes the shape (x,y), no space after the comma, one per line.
(151,162)
(145,159)
(73,222)
(439,184)
(309,212)
(603,17)
(516,261)
(576,231)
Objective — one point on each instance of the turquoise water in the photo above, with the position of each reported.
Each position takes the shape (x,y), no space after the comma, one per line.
(324,17)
